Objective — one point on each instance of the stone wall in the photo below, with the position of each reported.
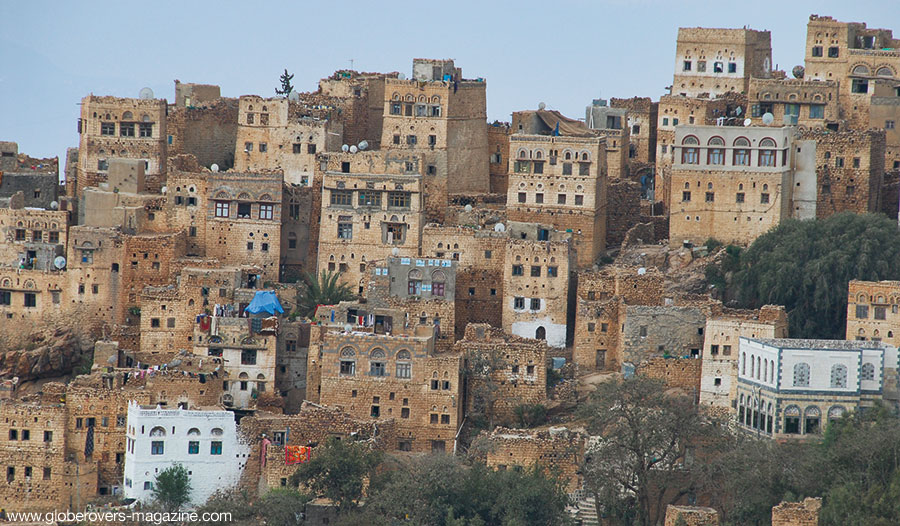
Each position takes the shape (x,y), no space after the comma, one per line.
(205,129)
(623,210)
(804,513)
(679,373)
(692,515)
(556,450)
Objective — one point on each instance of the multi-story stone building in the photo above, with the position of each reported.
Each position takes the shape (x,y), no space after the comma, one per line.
(718,381)
(729,183)
(113,127)
(791,388)
(286,135)
(372,208)
(202,123)
(711,62)
(440,115)
(872,311)
(642,117)
(498,149)
(795,102)
(372,375)
(537,292)
(611,124)
(558,176)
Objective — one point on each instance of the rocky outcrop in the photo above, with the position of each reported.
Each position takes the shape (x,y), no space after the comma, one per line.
(47,354)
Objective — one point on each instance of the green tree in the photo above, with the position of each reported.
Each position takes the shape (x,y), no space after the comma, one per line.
(807,265)
(282,507)
(172,488)
(338,472)
(648,440)
(286,87)
(530,415)
(321,290)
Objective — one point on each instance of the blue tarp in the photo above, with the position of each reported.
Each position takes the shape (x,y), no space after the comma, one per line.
(265,301)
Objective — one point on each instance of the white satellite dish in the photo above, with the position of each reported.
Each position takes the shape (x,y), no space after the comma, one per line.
(164,189)
(395,251)
(293,96)
(401,76)
(541,106)
(499,227)
(363,145)
(354,149)
(146,93)
(59,262)
(468,208)
(768,118)
(642,271)
(747,122)
(54,205)
(345,148)
(214,167)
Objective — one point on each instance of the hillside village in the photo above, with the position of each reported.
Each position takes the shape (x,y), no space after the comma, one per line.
(230,284)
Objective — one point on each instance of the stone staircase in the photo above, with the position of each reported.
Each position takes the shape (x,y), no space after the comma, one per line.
(583,510)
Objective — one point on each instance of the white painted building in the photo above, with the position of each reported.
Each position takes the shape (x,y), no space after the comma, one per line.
(204,442)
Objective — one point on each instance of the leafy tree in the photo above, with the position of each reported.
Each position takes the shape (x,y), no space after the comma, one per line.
(530,415)
(482,365)
(172,488)
(282,506)
(338,472)
(324,290)
(286,87)
(650,448)
(806,266)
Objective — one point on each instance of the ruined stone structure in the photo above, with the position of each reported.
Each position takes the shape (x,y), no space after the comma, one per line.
(557,450)
(804,513)
(711,62)
(691,516)
(558,176)
(372,204)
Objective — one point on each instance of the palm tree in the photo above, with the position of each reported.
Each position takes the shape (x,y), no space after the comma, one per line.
(324,290)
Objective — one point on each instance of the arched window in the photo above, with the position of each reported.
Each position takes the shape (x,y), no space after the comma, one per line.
(792,420)
(861,70)
(884,71)
(716,155)
(867,372)
(767,143)
(127,116)
(741,142)
(767,156)
(404,367)
(801,374)
(752,367)
(414,283)
(812,417)
(158,431)
(838,375)
(584,157)
(348,362)
(743,363)
(690,140)
(193,432)
(741,154)
(716,141)
(347,352)
(438,280)
(765,375)
(540,333)
(377,354)
(568,156)
(216,432)
(835,413)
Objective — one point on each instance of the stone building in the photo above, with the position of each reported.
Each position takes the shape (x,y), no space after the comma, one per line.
(810,104)
(729,183)
(205,442)
(848,167)
(718,382)
(872,311)
(537,292)
(282,134)
(675,110)
(865,64)
(546,151)
(498,149)
(556,450)
(641,120)
(32,238)
(504,371)
(37,179)
(372,206)
(711,62)
(441,116)
(601,300)
(204,124)
(359,97)
(611,124)
(113,127)
(371,375)
(301,208)
(816,381)
(661,331)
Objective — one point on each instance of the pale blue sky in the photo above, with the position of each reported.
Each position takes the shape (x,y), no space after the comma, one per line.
(562,52)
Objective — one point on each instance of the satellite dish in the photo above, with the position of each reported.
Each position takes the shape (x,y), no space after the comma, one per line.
(345,148)
(164,189)
(59,262)
(747,122)
(354,149)
(54,205)
(541,106)
(214,167)
(395,251)
(768,118)
(293,96)
(642,271)
(363,145)
(499,227)
(401,76)
(146,93)
(468,208)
